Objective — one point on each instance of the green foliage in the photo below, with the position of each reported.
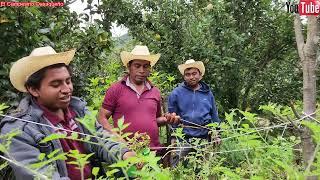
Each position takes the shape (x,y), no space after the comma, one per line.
(164,81)
(246,152)
(4,165)
(314,128)
(79,159)
(27,28)
(6,140)
(5,170)
(120,129)
(3,107)
(53,137)
(277,110)
(89,121)
(110,72)
(48,159)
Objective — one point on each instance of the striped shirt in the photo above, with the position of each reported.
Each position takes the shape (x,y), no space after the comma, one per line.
(68,144)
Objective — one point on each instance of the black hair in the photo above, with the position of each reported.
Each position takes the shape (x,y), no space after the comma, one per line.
(129,63)
(35,79)
(192,68)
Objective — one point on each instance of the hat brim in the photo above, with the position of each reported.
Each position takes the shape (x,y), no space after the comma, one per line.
(198,64)
(127,56)
(22,69)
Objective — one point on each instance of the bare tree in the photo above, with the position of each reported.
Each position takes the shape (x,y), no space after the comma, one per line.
(308,55)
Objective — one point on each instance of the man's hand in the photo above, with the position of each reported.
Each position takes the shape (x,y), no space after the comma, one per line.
(172,118)
(128,154)
(217,140)
(168,118)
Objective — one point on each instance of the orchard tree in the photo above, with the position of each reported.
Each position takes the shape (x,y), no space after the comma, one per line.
(23,29)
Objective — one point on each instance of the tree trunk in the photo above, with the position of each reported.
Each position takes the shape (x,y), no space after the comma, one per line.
(308,56)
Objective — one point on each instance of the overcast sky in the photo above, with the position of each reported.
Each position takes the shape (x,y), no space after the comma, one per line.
(116,31)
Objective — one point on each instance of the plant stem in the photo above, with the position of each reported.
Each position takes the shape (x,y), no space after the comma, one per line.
(81,171)
(248,161)
(312,158)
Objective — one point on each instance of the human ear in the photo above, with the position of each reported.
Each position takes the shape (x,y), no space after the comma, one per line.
(33,91)
(200,77)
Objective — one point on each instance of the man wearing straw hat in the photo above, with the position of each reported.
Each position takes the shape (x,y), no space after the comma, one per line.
(196,111)
(49,108)
(135,98)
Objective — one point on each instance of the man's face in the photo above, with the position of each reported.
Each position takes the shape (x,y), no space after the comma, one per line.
(139,70)
(55,89)
(192,76)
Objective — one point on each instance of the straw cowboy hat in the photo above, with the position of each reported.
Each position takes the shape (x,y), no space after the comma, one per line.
(39,58)
(192,64)
(139,52)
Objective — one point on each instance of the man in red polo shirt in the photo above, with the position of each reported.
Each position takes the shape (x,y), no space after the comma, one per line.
(135,98)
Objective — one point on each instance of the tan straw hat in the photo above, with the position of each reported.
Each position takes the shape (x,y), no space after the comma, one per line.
(141,53)
(192,64)
(39,58)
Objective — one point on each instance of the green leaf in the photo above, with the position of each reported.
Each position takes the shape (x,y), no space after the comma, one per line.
(53,153)
(125,126)
(120,122)
(246,126)
(120,164)
(214,125)
(3,107)
(111,172)
(4,165)
(3,148)
(41,156)
(74,135)
(95,171)
(53,137)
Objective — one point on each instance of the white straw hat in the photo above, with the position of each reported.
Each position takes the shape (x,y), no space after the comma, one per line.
(39,58)
(192,64)
(139,52)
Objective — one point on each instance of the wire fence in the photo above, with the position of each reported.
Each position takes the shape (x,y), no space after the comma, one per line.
(172,148)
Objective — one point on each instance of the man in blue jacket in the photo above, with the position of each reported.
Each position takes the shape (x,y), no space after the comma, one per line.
(194,102)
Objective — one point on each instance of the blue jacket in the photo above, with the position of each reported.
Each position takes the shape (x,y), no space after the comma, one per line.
(195,106)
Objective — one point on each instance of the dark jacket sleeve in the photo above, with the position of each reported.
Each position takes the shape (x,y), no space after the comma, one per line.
(172,103)
(214,110)
(23,150)
(110,150)
(106,149)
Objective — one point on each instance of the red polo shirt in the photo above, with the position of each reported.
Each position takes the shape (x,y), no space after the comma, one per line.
(140,110)
(68,144)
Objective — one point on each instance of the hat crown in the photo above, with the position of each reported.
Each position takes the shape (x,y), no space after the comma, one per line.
(140,50)
(42,51)
(190,61)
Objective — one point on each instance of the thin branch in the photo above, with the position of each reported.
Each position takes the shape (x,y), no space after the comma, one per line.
(312,158)
(12,161)
(299,36)
(296,114)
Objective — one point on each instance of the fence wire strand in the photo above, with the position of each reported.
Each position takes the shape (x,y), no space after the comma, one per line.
(178,148)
